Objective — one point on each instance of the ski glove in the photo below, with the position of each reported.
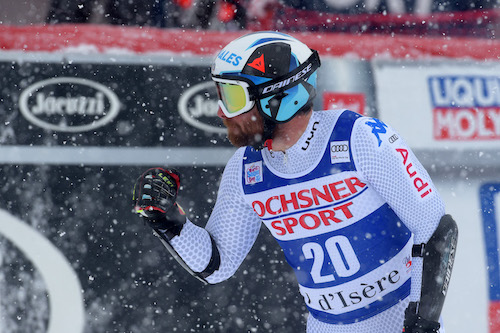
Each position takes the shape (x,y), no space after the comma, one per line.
(155,194)
(416,324)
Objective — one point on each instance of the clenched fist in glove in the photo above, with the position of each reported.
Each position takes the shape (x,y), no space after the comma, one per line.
(155,194)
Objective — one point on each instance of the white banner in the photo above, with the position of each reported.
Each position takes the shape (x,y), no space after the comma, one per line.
(443,105)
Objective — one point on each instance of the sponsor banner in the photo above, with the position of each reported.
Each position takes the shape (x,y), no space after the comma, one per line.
(465,107)
(441,105)
(464,124)
(69,104)
(198,106)
(494,316)
(350,101)
(61,281)
(107,104)
(92,39)
(490,209)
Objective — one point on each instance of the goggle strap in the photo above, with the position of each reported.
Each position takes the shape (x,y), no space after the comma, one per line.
(282,83)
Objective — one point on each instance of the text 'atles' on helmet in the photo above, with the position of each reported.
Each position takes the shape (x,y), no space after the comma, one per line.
(272,70)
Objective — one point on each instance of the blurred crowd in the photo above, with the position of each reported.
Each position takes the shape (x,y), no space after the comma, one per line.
(203,14)
(236,14)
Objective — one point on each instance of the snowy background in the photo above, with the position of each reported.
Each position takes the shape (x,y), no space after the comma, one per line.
(129,282)
(82,205)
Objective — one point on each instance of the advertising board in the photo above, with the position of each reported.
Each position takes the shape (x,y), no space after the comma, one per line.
(452,104)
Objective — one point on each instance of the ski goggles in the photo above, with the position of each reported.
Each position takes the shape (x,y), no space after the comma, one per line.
(237,96)
(234,96)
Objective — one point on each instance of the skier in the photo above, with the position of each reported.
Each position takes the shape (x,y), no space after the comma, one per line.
(356,214)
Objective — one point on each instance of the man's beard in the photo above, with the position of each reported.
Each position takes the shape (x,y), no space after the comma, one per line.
(245,133)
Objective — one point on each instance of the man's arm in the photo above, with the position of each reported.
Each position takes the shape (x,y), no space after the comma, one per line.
(154,197)
(210,254)
(233,224)
(439,256)
(390,166)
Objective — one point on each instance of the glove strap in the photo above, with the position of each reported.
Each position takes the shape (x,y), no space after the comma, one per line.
(170,224)
(418,250)
(416,324)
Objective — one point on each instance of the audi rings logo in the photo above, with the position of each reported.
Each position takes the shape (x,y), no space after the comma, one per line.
(69,104)
(393,138)
(339,148)
(198,107)
(339,152)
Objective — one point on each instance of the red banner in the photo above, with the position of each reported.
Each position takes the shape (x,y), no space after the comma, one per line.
(86,38)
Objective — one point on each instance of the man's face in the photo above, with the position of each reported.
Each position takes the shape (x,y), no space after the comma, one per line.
(246,129)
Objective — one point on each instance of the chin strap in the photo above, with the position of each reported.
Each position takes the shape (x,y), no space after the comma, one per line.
(267,136)
(269,144)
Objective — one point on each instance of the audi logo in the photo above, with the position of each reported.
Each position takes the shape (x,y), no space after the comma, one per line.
(393,138)
(339,148)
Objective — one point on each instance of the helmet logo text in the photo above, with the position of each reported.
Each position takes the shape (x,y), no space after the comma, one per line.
(229,57)
(288,81)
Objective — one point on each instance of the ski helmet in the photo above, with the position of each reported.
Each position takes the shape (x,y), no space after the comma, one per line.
(272,70)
